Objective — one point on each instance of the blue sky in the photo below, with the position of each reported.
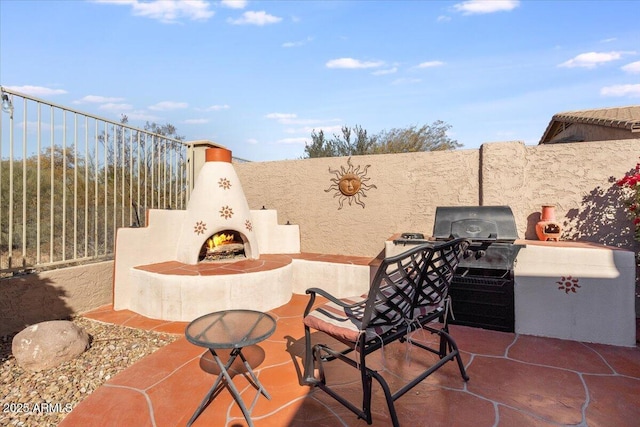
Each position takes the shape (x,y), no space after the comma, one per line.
(259,77)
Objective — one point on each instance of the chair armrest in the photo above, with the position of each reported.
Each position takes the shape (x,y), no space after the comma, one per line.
(322,292)
(331,298)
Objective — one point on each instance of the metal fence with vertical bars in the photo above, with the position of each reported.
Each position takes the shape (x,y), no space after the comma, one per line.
(69,179)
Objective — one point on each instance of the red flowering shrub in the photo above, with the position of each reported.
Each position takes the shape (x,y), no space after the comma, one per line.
(630,185)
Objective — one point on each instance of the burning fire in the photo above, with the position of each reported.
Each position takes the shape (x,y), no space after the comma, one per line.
(219,239)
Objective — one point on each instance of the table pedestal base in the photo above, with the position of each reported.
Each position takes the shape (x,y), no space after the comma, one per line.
(224,374)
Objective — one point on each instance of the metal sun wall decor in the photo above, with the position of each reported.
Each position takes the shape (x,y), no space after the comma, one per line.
(350,184)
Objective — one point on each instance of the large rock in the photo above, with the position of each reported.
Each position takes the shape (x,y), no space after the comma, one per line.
(48,344)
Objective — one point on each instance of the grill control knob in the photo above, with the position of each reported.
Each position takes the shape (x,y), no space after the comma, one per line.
(480,254)
(468,253)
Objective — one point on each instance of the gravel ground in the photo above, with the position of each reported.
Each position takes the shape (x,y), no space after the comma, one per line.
(44,398)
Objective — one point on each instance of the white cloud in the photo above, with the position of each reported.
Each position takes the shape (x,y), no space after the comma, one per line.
(96,99)
(591,59)
(195,121)
(473,7)
(255,18)
(303,126)
(234,4)
(141,115)
(252,141)
(301,140)
(405,81)
(215,108)
(444,18)
(167,11)
(621,90)
(326,129)
(352,63)
(112,106)
(298,43)
(293,120)
(168,105)
(430,64)
(282,117)
(37,90)
(633,68)
(300,121)
(384,72)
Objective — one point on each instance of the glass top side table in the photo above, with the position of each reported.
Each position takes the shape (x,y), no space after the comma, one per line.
(230,329)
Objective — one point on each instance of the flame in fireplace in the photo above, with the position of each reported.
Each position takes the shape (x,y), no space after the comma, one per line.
(219,239)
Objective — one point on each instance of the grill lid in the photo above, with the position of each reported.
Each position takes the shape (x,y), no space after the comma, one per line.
(477,223)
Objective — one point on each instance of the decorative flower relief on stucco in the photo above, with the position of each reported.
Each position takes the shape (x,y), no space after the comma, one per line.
(350,184)
(568,284)
(248,225)
(224,183)
(200,227)
(226,212)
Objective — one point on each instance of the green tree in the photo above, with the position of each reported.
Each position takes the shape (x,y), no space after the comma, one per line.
(352,142)
(361,144)
(319,147)
(357,141)
(410,139)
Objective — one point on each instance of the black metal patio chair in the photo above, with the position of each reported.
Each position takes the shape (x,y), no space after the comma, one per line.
(408,292)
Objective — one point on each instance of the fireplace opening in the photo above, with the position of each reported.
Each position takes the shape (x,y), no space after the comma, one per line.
(223,246)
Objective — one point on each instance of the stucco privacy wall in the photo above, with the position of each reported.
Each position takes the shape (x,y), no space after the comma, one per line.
(576,177)
(408,187)
(52,295)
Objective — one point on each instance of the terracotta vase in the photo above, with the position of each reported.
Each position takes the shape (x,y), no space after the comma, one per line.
(547,228)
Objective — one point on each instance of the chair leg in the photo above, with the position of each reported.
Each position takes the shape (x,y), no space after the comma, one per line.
(448,347)
(367,376)
(366,395)
(453,348)
(443,346)
(309,359)
(363,412)
(463,371)
(387,394)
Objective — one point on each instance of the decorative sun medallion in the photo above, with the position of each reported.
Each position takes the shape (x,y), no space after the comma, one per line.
(226,212)
(350,184)
(224,183)
(568,284)
(200,227)
(248,225)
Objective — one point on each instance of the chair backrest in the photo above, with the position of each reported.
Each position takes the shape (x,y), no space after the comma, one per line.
(412,284)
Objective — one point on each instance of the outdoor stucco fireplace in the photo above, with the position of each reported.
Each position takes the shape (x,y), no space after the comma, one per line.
(214,255)
(217,206)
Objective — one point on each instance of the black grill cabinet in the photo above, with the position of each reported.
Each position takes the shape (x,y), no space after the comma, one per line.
(482,291)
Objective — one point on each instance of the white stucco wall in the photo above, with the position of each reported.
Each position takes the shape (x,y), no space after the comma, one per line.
(579,178)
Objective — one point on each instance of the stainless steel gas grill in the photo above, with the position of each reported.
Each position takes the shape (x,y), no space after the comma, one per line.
(482,290)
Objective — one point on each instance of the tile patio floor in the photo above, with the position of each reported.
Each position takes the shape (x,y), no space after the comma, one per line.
(516,380)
